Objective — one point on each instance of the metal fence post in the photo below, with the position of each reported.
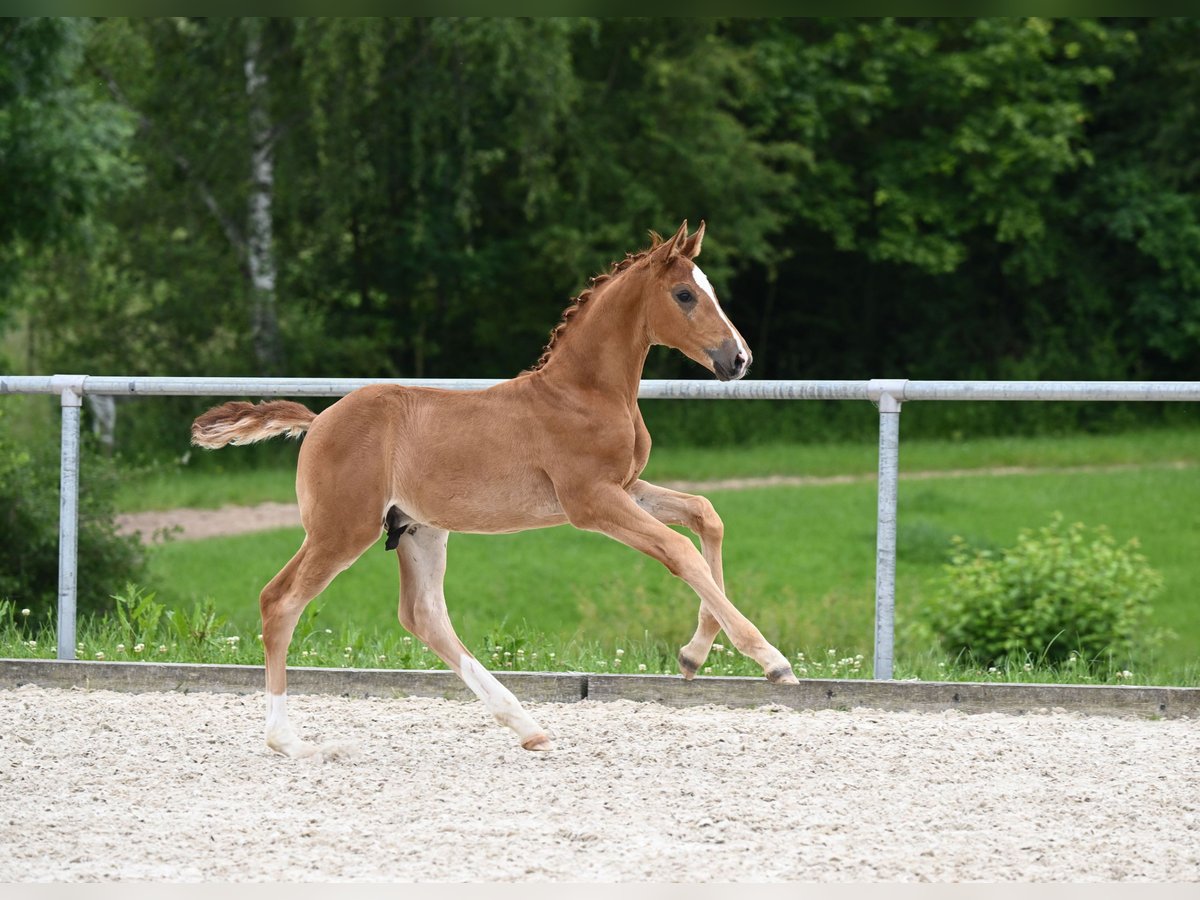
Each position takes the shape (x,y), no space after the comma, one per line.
(70,389)
(889,394)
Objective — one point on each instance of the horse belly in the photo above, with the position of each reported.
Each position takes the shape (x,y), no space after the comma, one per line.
(483,505)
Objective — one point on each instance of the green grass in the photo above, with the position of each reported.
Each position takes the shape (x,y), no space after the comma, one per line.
(215,482)
(200,635)
(177,486)
(799,561)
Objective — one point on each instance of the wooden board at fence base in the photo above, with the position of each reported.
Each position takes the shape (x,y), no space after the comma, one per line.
(671,690)
(543,687)
(921,696)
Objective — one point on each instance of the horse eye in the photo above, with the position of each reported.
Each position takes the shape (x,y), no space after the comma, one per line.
(683,295)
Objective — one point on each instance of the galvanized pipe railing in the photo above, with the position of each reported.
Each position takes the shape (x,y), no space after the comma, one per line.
(888,394)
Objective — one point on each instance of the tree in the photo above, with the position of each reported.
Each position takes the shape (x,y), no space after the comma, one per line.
(957,198)
(63,151)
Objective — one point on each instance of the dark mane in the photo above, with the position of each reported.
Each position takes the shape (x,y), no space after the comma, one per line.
(569,313)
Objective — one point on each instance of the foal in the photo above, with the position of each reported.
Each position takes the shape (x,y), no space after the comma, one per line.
(562,442)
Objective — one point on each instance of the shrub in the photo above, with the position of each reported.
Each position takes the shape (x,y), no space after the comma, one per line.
(29,503)
(1058,592)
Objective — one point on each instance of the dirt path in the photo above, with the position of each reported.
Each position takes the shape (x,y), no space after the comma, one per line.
(195,524)
(96,785)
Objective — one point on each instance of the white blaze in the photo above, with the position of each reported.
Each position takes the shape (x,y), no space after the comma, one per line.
(705,285)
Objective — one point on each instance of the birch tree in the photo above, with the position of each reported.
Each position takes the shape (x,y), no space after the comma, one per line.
(202,154)
(260,243)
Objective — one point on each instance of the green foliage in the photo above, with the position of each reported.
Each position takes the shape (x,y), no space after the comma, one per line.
(138,614)
(63,151)
(29,505)
(921,197)
(1059,593)
(144,620)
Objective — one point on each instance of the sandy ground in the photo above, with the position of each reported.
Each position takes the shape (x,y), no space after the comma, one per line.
(179,787)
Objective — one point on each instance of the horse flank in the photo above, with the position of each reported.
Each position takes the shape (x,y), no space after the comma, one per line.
(244,423)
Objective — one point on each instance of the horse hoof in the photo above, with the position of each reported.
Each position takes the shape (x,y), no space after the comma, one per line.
(538,743)
(293,748)
(782,675)
(687,668)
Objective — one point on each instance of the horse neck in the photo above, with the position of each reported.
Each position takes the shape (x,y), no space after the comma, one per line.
(604,349)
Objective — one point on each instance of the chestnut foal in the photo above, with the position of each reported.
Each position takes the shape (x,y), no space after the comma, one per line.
(562,442)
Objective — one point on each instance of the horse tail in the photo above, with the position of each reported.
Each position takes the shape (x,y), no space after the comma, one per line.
(244,423)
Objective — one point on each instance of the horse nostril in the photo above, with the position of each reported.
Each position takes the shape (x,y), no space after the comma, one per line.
(739,362)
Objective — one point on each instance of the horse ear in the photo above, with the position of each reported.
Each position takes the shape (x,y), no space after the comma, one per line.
(691,247)
(677,242)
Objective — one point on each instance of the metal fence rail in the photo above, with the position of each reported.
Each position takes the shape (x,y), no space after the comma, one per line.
(888,394)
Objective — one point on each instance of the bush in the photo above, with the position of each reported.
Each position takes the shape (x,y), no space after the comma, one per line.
(29,503)
(1057,593)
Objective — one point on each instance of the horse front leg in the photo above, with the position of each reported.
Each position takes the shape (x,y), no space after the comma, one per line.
(696,514)
(422,555)
(610,510)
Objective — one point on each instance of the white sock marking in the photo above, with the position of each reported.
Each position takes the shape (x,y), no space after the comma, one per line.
(279,731)
(276,712)
(497,698)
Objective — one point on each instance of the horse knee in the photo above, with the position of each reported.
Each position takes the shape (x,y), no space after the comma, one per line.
(682,559)
(268,603)
(705,520)
(407,614)
(421,617)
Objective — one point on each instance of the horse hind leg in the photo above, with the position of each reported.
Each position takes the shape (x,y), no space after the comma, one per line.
(697,515)
(422,555)
(282,601)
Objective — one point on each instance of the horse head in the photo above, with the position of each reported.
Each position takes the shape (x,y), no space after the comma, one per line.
(682,310)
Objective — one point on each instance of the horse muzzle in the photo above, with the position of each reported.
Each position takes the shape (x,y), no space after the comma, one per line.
(730,360)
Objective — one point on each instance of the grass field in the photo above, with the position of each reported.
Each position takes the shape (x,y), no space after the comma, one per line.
(799,560)
(216,479)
